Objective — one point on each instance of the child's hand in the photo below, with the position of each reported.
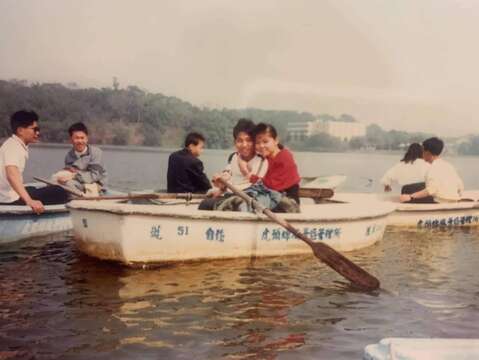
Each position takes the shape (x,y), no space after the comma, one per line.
(253,179)
(224,175)
(71,169)
(63,176)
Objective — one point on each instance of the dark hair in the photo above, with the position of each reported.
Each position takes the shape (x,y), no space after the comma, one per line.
(244,125)
(434,145)
(194,138)
(413,153)
(23,119)
(79,126)
(263,128)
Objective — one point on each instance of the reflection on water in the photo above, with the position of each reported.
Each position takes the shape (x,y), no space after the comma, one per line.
(58,303)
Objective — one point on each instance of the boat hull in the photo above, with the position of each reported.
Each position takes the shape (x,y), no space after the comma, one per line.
(168,235)
(425,216)
(435,218)
(422,348)
(18,222)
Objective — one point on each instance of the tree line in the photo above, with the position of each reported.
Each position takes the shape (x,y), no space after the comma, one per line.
(470,146)
(134,116)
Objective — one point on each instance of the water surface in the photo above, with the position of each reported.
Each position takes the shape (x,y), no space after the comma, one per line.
(56,303)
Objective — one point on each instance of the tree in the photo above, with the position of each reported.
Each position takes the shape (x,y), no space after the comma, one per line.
(357,142)
(116,84)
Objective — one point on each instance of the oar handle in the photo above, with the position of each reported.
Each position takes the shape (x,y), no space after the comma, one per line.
(149,196)
(184,196)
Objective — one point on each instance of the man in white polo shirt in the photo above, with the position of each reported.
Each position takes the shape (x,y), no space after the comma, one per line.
(442,181)
(13,156)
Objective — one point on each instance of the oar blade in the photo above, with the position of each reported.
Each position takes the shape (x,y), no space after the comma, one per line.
(341,264)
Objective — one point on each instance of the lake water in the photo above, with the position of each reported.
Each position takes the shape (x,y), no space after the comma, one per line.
(56,303)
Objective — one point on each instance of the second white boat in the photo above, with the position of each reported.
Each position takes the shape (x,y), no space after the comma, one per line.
(425,216)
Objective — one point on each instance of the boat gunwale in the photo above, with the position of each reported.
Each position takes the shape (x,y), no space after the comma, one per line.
(6,210)
(429,207)
(229,215)
(414,207)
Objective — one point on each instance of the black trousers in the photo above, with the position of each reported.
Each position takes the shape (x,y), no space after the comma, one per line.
(293,193)
(210,203)
(48,195)
(412,188)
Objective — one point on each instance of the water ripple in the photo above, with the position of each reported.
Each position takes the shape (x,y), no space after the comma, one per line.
(58,303)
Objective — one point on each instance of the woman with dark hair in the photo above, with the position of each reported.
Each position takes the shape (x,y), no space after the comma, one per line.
(409,173)
(413,153)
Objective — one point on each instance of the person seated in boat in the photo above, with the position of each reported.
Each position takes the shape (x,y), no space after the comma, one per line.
(409,173)
(84,168)
(13,157)
(443,184)
(185,169)
(278,189)
(242,165)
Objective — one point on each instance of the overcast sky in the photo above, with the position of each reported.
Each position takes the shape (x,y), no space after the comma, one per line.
(406,64)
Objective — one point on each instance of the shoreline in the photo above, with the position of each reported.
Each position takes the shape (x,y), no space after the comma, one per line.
(154,149)
(140,148)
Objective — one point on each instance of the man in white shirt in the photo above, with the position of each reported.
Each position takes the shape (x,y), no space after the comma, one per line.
(13,157)
(243,168)
(442,181)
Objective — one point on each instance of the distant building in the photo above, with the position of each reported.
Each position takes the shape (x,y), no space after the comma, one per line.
(341,129)
(299,130)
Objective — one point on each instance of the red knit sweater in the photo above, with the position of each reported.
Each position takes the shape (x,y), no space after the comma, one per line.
(282,171)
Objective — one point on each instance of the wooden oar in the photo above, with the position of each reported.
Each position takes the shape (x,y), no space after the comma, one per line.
(325,253)
(316,194)
(149,196)
(80,195)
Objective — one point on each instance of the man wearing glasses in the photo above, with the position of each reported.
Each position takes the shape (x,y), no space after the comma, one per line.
(13,156)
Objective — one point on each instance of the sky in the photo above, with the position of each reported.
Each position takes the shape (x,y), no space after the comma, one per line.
(411,65)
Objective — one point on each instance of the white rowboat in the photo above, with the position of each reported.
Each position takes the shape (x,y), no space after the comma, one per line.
(425,216)
(421,349)
(19,222)
(140,234)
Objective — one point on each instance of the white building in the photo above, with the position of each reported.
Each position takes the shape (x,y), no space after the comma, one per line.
(341,129)
(299,130)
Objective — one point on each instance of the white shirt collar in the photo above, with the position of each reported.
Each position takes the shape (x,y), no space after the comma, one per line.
(16,138)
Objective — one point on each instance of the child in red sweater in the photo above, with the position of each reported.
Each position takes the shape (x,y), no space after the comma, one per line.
(282,174)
